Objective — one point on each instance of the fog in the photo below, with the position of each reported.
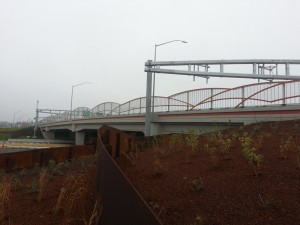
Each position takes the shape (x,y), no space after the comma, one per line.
(48,46)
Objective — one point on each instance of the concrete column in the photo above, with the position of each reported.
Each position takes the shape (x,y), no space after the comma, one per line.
(79,138)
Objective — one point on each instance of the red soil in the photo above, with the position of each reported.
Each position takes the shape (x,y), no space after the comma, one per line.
(23,207)
(171,184)
(231,194)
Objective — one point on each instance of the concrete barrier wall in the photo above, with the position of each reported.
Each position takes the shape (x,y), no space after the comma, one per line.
(30,158)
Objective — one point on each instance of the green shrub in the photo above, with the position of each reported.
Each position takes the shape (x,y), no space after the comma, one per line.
(286,144)
(4,137)
(249,152)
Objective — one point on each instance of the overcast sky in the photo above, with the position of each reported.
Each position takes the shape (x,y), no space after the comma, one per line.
(46,46)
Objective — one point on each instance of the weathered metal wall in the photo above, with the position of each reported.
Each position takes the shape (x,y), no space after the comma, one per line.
(30,158)
(121,203)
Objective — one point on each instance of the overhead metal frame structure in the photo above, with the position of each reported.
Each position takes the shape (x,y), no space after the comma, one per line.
(192,68)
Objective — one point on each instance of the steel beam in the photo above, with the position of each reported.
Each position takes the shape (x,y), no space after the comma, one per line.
(218,62)
(216,74)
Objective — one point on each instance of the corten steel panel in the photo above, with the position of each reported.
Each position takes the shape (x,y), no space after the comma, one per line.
(120,201)
(30,158)
(60,154)
(16,160)
(114,140)
(81,151)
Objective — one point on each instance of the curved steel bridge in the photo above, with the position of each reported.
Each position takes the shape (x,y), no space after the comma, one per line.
(252,95)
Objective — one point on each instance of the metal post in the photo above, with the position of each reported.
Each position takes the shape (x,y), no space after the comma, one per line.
(254,68)
(283,94)
(153,87)
(243,97)
(148,103)
(287,69)
(72,96)
(187,100)
(71,103)
(13,124)
(36,119)
(211,97)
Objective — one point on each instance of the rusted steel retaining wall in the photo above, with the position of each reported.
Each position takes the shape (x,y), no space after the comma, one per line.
(121,203)
(30,158)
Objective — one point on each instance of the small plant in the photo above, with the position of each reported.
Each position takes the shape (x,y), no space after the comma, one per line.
(96,213)
(267,202)
(134,157)
(42,183)
(257,127)
(200,220)
(274,126)
(196,185)
(55,168)
(5,187)
(210,146)
(249,152)
(298,156)
(23,172)
(192,140)
(158,168)
(235,135)
(71,193)
(159,149)
(224,144)
(34,187)
(2,172)
(175,142)
(16,183)
(72,196)
(296,126)
(286,144)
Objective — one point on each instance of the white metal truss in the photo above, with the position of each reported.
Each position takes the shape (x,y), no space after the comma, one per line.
(259,67)
(201,68)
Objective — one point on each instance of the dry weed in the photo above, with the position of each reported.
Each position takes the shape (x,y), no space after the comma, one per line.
(42,183)
(5,187)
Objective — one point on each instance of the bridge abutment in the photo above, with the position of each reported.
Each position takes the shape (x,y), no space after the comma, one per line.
(79,138)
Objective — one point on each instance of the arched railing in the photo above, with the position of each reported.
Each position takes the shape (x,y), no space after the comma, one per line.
(258,94)
(104,109)
(81,113)
(161,104)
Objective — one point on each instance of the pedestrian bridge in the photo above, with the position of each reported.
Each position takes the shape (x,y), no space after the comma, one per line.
(201,109)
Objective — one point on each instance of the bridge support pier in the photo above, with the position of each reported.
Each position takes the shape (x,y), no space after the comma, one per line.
(79,138)
(155,129)
(49,135)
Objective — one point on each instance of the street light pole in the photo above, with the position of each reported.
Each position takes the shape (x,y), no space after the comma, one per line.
(14,118)
(36,119)
(72,96)
(156,45)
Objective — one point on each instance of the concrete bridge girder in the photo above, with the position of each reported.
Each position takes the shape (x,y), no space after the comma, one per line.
(171,122)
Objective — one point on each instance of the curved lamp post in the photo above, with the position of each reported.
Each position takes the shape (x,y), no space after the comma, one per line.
(72,96)
(156,45)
